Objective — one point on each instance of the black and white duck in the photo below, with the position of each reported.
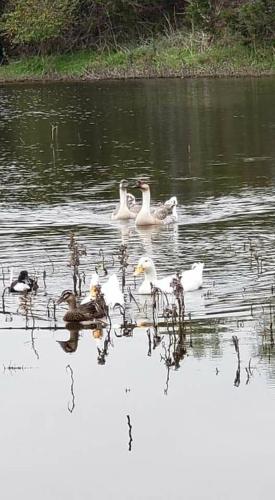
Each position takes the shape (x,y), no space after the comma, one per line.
(23,283)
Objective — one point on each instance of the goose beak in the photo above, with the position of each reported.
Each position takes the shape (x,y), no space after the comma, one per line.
(139,269)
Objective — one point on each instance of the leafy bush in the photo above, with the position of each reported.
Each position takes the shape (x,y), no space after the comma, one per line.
(35,22)
(256,21)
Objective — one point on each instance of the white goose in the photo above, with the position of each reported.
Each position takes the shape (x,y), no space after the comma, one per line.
(110,289)
(123,211)
(162,215)
(191,279)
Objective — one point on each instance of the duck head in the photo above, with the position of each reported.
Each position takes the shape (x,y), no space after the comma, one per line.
(144,264)
(23,276)
(66,296)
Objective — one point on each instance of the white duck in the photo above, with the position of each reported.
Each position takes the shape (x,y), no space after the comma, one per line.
(110,289)
(191,279)
(123,211)
(161,215)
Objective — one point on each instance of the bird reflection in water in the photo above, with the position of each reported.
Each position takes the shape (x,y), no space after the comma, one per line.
(103,343)
(147,235)
(70,345)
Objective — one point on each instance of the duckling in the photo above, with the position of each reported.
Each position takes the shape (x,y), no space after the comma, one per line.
(91,311)
(23,283)
(160,215)
(123,211)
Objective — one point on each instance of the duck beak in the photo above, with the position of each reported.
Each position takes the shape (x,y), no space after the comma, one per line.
(59,301)
(93,291)
(139,269)
(97,334)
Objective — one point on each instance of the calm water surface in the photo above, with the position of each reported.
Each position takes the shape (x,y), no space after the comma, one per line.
(148,415)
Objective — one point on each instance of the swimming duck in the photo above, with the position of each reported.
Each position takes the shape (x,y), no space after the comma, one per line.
(123,211)
(92,310)
(191,279)
(23,283)
(110,290)
(161,215)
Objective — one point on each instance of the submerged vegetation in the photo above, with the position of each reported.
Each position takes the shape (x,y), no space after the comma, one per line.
(115,39)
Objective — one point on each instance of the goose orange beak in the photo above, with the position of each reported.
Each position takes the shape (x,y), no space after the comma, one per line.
(139,269)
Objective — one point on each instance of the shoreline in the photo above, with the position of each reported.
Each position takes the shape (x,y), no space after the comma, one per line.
(142,62)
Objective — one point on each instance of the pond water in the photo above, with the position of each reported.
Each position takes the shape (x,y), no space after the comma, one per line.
(150,413)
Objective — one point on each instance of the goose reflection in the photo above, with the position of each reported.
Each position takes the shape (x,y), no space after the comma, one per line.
(150,234)
(126,231)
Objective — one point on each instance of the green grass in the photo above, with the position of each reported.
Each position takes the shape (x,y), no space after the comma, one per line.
(179,54)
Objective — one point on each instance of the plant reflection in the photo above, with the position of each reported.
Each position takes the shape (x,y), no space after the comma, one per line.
(71,405)
(130,433)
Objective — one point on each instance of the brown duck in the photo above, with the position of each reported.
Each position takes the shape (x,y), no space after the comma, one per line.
(95,309)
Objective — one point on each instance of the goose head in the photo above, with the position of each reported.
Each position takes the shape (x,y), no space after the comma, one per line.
(123,185)
(142,185)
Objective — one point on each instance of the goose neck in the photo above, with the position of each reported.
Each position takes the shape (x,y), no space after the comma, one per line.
(146,198)
(123,198)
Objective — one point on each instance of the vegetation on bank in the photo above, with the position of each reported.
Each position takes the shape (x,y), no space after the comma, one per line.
(165,58)
(57,39)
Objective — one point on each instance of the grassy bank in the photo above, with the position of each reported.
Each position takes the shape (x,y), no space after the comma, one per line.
(173,56)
